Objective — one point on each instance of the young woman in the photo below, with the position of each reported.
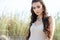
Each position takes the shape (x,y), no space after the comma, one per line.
(41,25)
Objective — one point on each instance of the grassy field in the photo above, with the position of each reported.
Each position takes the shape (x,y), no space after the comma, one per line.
(12,27)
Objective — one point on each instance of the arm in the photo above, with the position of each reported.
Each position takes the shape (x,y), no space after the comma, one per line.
(51,27)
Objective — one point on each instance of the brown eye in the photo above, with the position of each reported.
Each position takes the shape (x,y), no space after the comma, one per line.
(33,7)
(38,6)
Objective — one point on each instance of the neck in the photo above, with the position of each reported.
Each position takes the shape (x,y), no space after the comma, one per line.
(39,16)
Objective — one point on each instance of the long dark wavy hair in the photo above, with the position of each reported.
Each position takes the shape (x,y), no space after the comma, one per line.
(44,19)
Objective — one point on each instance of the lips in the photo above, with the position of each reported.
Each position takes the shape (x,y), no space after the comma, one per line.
(37,12)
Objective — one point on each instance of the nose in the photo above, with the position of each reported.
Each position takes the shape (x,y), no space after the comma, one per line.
(36,9)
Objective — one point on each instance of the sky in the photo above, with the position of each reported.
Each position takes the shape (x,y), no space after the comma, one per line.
(22,8)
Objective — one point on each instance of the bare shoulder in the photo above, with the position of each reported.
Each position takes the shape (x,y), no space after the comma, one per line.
(50,19)
(52,22)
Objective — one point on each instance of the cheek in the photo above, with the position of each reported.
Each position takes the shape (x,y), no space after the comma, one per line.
(40,9)
(34,10)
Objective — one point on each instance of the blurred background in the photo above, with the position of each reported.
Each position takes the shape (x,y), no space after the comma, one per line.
(15,18)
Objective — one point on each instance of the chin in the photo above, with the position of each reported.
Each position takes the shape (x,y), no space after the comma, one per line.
(38,14)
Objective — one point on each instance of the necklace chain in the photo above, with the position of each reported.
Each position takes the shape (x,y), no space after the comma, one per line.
(39,19)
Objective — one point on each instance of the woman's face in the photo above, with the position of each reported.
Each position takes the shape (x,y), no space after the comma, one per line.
(37,8)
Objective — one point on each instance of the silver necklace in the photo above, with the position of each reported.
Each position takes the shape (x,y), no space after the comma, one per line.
(39,19)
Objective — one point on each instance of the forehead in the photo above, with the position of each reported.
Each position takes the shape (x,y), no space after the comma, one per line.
(36,4)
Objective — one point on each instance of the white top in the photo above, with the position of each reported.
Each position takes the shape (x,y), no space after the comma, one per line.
(37,32)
